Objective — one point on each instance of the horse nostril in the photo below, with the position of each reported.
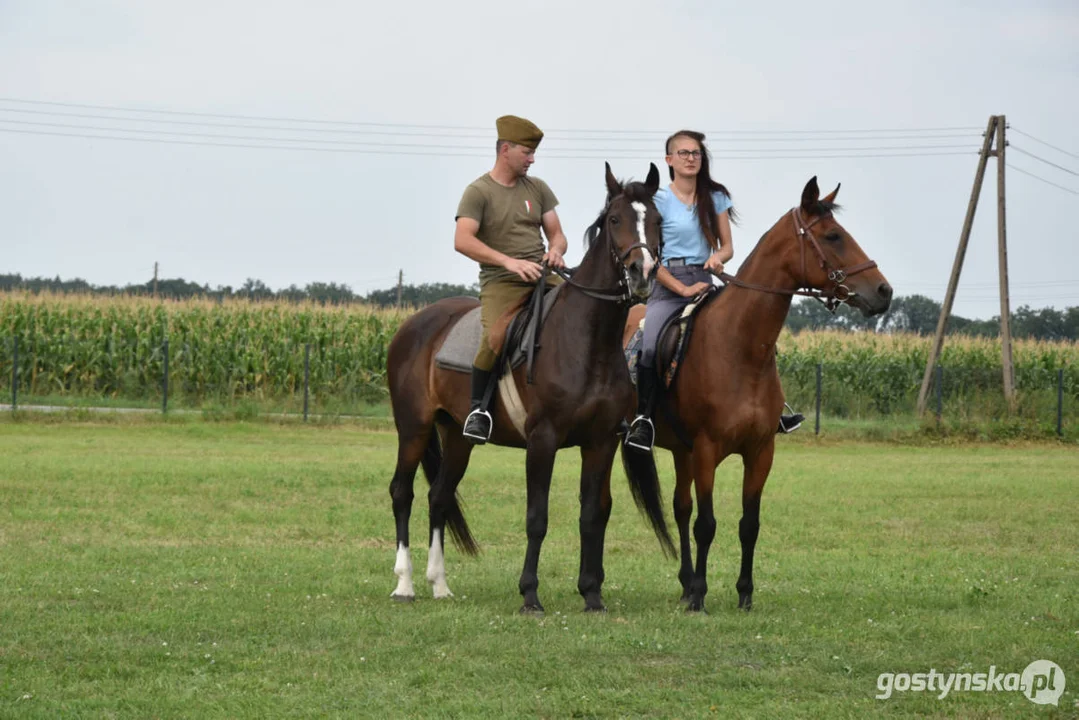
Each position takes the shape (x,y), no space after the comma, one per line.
(885,290)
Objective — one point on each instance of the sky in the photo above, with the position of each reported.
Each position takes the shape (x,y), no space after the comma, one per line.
(406,95)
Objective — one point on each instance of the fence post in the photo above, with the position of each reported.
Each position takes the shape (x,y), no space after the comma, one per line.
(165,381)
(817,430)
(15,374)
(1060,402)
(306,376)
(940,392)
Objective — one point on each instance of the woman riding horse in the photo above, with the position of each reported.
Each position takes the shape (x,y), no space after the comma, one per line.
(726,397)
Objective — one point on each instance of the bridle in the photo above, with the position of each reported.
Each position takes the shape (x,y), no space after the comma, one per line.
(623,294)
(834,296)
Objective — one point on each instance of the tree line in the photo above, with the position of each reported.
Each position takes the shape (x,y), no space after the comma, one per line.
(179,289)
(912,313)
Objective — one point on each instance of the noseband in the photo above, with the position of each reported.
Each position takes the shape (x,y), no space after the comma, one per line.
(834,296)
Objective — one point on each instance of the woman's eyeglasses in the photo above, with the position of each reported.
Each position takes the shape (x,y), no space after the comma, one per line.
(687,154)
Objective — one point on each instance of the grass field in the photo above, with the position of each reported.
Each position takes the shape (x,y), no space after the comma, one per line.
(185,568)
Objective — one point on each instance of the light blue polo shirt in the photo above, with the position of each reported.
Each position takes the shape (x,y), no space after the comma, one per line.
(682,236)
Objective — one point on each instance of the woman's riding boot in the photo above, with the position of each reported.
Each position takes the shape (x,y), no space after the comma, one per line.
(642,433)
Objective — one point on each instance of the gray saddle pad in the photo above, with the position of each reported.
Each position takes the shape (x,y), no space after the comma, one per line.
(460,347)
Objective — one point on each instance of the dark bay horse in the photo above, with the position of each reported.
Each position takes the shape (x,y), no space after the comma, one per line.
(580,393)
(726,398)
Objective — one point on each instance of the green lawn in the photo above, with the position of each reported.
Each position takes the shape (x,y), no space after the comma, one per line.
(217,569)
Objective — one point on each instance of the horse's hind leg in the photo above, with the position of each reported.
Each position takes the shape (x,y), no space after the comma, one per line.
(753,479)
(596,465)
(444,508)
(412,448)
(683,510)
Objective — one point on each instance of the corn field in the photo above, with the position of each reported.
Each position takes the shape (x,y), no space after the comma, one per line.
(113,349)
(866,374)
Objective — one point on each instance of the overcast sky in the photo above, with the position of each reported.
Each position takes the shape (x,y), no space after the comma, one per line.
(605,80)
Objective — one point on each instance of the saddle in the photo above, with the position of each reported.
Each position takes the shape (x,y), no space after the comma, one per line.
(520,343)
(673,340)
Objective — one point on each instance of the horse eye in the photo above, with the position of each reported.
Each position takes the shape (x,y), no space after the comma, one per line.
(832,237)
(614,219)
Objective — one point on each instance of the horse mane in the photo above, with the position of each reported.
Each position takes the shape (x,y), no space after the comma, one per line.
(634,192)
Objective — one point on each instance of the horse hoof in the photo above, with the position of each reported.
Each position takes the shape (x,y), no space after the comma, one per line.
(533,610)
(601,608)
(696,605)
(403,598)
(684,599)
(745,602)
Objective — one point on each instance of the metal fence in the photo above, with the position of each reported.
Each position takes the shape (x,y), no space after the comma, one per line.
(328,378)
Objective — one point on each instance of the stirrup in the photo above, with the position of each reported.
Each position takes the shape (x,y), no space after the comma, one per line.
(790,423)
(478,426)
(642,426)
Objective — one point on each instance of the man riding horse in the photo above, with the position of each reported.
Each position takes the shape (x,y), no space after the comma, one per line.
(498,225)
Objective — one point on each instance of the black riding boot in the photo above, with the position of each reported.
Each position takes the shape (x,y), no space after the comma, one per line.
(478,423)
(642,433)
(790,423)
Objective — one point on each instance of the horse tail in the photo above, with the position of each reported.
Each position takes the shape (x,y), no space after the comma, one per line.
(458,527)
(640,467)
(452,513)
(432,457)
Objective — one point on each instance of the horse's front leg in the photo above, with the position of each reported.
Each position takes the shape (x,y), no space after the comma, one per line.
(705,459)
(596,462)
(753,479)
(542,445)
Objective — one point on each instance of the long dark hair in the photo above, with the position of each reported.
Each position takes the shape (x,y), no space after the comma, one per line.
(705,207)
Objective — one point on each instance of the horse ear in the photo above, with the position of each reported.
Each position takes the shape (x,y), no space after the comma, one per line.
(811,194)
(830,197)
(614,188)
(652,181)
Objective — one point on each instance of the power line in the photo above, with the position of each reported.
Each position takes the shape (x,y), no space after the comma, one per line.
(1038,177)
(661,133)
(1040,159)
(468,152)
(426,146)
(455,134)
(1028,135)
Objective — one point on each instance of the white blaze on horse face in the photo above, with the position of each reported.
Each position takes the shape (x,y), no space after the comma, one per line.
(648,262)
(403,570)
(436,567)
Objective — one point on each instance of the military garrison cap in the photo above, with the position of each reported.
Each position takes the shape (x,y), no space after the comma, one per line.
(518,130)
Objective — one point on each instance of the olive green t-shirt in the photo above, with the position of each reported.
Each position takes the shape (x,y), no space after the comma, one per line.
(509,218)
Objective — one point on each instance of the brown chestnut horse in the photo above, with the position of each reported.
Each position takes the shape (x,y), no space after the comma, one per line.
(580,393)
(726,398)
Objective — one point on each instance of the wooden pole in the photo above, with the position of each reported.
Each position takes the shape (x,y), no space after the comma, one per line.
(155,281)
(400,281)
(1002,250)
(957,266)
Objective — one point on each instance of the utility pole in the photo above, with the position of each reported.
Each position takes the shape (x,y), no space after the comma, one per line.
(994,132)
(400,281)
(155,281)
(1002,256)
